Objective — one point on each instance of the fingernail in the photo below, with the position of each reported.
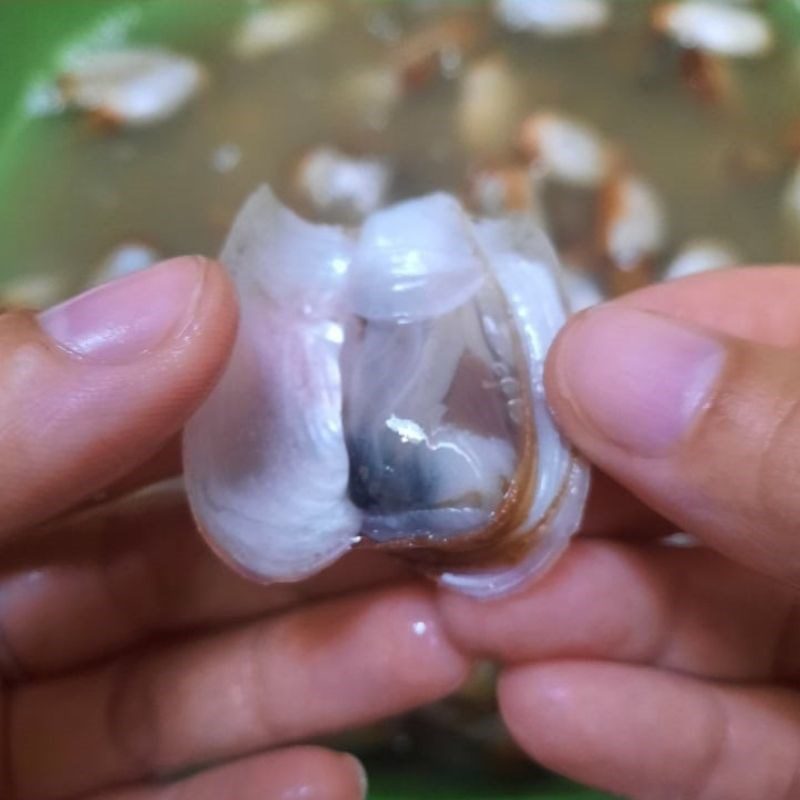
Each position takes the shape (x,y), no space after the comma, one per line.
(361,773)
(120,321)
(636,378)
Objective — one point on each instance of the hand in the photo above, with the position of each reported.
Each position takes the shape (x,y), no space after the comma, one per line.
(654,671)
(127,650)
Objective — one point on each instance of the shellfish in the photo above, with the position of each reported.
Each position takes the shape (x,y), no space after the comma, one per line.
(386,389)
(131,86)
(726,30)
(557,18)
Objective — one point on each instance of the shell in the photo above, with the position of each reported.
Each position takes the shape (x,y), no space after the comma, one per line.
(701,255)
(714,27)
(131,86)
(553,17)
(125,259)
(438,48)
(386,388)
(494,191)
(581,289)
(32,292)
(488,108)
(633,227)
(281,26)
(367,97)
(565,149)
(339,187)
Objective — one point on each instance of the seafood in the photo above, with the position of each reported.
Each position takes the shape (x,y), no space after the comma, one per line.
(701,255)
(495,191)
(488,108)
(634,222)
(124,259)
(281,26)
(724,29)
(386,389)
(131,86)
(368,97)
(791,204)
(31,292)
(564,149)
(339,187)
(436,49)
(553,17)
(581,289)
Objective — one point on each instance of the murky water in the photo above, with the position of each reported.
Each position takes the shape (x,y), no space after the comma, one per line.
(720,167)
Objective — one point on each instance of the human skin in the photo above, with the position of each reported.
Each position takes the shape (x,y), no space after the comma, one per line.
(652,671)
(130,656)
(129,653)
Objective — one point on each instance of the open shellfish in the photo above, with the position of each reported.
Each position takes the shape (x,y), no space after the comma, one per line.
(386,388)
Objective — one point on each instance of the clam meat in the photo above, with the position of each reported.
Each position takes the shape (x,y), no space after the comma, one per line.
(386,390)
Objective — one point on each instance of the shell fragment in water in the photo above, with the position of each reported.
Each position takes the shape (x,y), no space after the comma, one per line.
(553,17)
(488,109)
(386,388)
(280,27)
(131,86)
(125,259)
(701,255)
(715,27)
(564,149)
(634,223)
(338,187)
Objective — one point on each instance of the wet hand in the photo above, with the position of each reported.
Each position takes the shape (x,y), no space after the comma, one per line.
(658,671)
(130,656)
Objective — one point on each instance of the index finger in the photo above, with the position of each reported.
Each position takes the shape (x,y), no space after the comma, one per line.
(685,405)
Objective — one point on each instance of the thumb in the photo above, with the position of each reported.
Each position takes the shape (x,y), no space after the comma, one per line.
(703,427)
(92,387)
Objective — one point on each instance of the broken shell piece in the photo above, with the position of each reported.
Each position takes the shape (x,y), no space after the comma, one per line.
(633,222)
(125,259)
(281,26)
(131,87)
(701,255)
(790,203)
(367,98)
(436,49)
(582,290)
(386,387)
(32,292)
(714,27)
(553,17)
(338,187)
(565,149)
(488,108)
(495,191)
(707,76)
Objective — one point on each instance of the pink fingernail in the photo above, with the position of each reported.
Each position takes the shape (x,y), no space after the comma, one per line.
(118,322)
(639,379)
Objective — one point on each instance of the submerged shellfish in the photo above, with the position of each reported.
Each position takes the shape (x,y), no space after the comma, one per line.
(131,86)
(386,388)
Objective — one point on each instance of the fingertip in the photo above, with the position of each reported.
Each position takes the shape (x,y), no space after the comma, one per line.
(218,312)
(535,700)
(551,717)
(359,777)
